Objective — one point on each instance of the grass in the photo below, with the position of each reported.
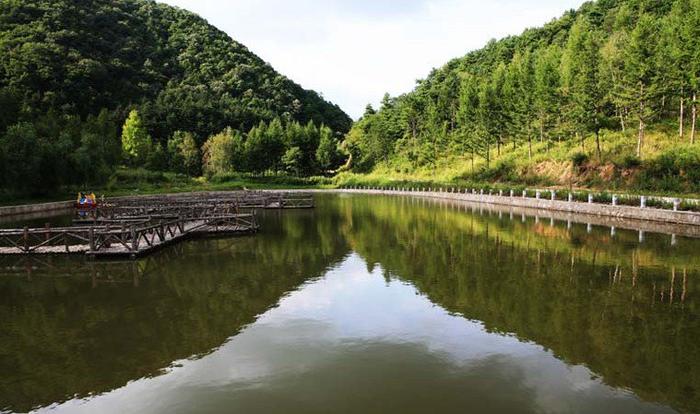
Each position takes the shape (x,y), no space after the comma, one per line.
(130,182)
(669,167)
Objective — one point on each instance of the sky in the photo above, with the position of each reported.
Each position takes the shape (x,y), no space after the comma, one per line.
(354,51)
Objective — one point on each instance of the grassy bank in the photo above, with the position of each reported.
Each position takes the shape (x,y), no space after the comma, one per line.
(668,166)
(129,182)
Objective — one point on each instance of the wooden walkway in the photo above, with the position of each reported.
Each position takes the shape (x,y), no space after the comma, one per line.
(126,240)
(135,226)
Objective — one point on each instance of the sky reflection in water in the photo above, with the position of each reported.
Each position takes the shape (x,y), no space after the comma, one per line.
(355,341)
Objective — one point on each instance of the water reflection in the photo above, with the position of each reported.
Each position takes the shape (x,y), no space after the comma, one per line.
(427,307)
(353,342)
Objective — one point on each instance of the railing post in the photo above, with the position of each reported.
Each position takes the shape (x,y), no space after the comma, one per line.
(512,193)
(134,240)
(554,195)
(590,198)
(47,227)
(538,195)
(25,237)
(571,197)
(642,202)
(524,193)
(614,199)
(676,204)
(92,239)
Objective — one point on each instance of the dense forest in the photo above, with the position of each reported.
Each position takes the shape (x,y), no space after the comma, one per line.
(72,72)
(619,67)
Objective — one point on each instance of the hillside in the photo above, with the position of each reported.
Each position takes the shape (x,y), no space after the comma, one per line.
(63,63)
(604,96)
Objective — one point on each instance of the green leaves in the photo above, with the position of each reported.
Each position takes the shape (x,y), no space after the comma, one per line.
(136,143)
(603,66)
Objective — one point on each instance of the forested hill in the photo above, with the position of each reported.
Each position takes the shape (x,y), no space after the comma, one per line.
(81,56)
(596,86)
(72,71)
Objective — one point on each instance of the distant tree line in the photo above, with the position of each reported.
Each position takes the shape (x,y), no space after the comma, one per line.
(71,72)
(613,64)
(267,148)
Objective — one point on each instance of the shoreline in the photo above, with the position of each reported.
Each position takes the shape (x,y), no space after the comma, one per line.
(684,218)
(620,216)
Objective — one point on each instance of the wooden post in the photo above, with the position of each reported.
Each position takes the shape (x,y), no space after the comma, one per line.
(47,227)
(134,241)
(25,236)
(92,239)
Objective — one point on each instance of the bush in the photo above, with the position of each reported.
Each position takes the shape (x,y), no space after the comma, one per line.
(579,159)
(631,161)
(676,170)
(126,176)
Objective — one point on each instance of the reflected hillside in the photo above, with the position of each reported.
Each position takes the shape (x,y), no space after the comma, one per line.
(75,328)
(628,311)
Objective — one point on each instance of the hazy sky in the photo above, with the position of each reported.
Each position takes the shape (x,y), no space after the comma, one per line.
(353,51)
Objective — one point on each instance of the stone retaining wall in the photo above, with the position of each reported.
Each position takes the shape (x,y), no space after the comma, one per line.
(623,212)
(35,208)
(595,209)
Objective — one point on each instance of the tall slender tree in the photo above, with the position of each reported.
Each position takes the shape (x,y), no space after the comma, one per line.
(641,74)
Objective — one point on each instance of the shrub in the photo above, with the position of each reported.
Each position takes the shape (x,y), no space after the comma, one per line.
(578,159)
(631,161)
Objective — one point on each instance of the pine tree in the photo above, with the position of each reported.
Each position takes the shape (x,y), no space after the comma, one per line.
(580,73)
(641,74)
(520,87)
(691,38)
(547,89)
(612,72)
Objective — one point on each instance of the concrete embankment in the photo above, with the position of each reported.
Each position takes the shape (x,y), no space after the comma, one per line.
(31,209)
(677,218)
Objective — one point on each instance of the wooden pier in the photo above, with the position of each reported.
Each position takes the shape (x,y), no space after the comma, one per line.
(133,227)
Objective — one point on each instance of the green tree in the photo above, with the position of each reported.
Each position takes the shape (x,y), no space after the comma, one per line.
(547,90)
(580,72)
(292,160)
(218,153)
(612,73)
(136,143)
(256,149)
(157,158)
(327,152)
(641,74)
(21,159)
(273,143)
(183,153)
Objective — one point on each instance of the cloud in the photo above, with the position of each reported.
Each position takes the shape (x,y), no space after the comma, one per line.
(353,51)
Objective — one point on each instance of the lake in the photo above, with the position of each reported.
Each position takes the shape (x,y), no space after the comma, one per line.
(366,304)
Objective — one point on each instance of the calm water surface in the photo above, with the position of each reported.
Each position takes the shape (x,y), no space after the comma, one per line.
(363,305)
